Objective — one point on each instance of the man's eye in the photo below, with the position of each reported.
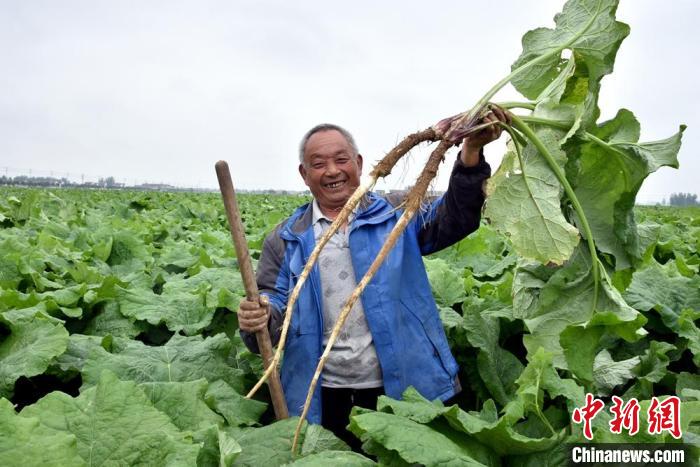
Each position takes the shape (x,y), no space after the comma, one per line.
(342,160)
(318,166)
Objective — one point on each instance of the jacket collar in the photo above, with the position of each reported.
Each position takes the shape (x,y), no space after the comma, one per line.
(372,209)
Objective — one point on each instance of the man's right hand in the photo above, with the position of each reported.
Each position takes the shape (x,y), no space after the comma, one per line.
(253,316)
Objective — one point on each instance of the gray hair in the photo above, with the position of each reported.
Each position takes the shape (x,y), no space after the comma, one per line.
(326,127)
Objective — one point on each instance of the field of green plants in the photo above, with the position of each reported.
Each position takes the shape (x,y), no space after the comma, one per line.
(118,341)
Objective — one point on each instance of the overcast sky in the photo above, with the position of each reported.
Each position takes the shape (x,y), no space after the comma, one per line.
(159,91)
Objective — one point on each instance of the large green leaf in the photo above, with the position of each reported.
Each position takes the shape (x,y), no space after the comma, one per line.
(611,171)
(446,283)
(686,382)
(497,433)
(108,320)
(484,252)
(393,438)
(689,330)
(524,204)
(661,288)
(588,28)
(10,277)
(225,286)
(540,376)
(180,310)
(77,351)
(219,449)
(181,359)
(183,402)
(608,373)
(236,409)
(580,344)
(24,441)
(328,458)
(497,367)
(412,406)
(35,340)
(566,299)
(272,444)
(115,423)
(653,367)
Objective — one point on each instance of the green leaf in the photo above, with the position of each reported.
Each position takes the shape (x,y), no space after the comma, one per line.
(540,376)
(328,458)
(687,382)
(497,367)
(225,286)
(607,373)
(219,449)
(486,427)
(566,299)
(78,348)
(388,436)
(497,433)
(412,406)
(662,289)
(127,251)
(229,449)
(181,359)
(450,318)
(115,423)
(24,441)
(483,252)
(588,28)
(180,309)
(580,344)
(10,277)
(176,254)
(237,409)
(108,320)
(447,285)
(524,204)
(183,402)
(35,340)
(689,330)
(654,363)
(272,444)
(612,169)
(652,369)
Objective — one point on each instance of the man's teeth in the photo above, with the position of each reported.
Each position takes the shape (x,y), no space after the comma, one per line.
(334,184)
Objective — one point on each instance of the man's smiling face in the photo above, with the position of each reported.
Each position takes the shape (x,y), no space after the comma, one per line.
(331,170)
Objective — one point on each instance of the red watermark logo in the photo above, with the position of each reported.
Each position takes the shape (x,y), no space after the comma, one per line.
(661,416)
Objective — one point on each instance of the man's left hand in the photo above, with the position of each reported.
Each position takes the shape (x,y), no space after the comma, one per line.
(474,142)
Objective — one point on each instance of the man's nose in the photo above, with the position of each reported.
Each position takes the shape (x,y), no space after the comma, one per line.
(332,169)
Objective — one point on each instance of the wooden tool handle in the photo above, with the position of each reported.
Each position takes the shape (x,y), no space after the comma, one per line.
(251,287)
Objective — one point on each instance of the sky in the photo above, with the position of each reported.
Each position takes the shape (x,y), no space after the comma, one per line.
(158,91)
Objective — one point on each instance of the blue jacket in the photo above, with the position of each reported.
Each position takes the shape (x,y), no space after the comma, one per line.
(399,307)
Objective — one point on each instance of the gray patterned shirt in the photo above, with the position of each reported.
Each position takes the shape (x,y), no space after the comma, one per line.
(353,361)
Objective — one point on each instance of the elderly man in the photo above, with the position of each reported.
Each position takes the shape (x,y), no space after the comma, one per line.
(393,338)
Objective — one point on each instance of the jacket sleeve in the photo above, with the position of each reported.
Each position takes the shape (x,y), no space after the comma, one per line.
(272,279)
(457,213)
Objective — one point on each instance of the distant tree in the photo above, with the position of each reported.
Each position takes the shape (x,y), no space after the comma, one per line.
(683,199)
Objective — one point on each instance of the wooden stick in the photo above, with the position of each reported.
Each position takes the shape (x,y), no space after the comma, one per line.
(251,287)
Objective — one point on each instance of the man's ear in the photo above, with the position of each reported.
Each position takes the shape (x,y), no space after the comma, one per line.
(302,172)
(359,164)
